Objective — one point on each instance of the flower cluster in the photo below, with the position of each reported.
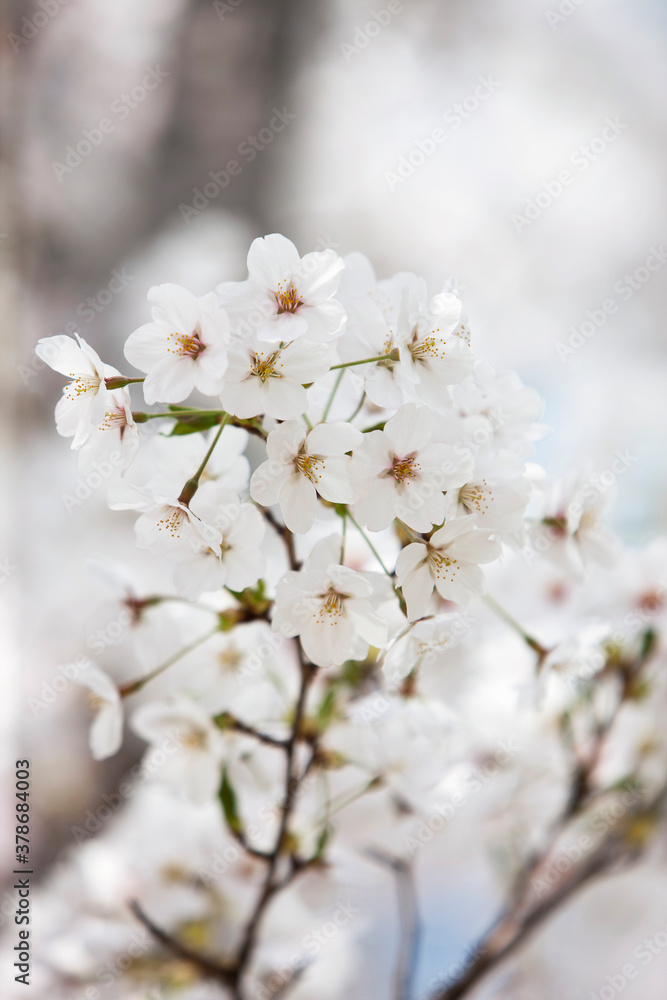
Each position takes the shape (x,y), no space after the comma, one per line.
(333,475)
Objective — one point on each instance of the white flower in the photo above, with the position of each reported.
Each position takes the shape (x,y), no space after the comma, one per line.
(194,749)
(403,474)
(432,355)
(166,524)
(498,504)
(238,562)
(421,643)
(184,348)
(332,608)
(106,731)
(498,411)
(372,314)
(270,380)
(85,397)
(300,466)
(449,561)
(176,457)
(116,436)
(569,532)
(286,296)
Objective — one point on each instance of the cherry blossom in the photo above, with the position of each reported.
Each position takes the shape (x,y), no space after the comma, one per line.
(237,561)
(116,436)
(166,523)
(270,380)
(333,609)
(302,465)
(183,348)
(448,561)
(194,749)
(402,474)
(570,531)
(498,503)
(85,398)
(106,731)
(286,296)
(432,355)
(371,331)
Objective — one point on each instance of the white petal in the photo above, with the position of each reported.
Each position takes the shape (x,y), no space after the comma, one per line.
(270,258)
(298,503)
(170,381)
(408,559)
(318,275)
(305,361)
(417,588)
(284,443)
(409,429)
(333,439)
(146,347)
(267,482)
(106,731)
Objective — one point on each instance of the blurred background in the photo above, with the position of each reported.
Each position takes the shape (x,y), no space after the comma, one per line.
(517,147)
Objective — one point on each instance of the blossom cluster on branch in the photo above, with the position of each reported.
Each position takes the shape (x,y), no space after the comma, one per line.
(333,475)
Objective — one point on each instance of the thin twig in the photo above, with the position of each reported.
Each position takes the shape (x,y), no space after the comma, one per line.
(408,949)
(270,887)
(223,974)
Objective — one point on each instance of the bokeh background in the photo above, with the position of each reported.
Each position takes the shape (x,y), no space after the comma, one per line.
(519,90)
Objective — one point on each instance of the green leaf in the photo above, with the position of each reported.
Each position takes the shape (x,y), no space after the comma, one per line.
(193,424)
(326,709)
(227,797)
(322,841)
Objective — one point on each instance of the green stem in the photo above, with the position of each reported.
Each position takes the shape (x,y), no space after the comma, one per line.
(509,619)
(120,381)
(339,379)
(369,544)
(392,356)
(141,417)
(192,485)
(342,539)
(133,686)
(359,405)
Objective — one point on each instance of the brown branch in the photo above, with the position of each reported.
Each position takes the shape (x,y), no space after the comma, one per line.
(520,921)
(292,783)
(225,720)
(408,949)
(286,536)
(211,970)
